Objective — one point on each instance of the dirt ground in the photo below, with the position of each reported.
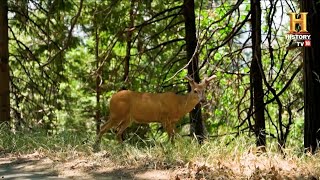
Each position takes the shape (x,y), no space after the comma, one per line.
(36,166)
(77,165)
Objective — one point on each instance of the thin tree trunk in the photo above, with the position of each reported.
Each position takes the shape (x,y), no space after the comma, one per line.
(196,123)
(4,64)
(129,43)
(127,58)
(312,77)
(98,77)
(256,74)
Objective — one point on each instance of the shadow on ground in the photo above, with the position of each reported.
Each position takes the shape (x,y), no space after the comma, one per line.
(22,168)
(134,173)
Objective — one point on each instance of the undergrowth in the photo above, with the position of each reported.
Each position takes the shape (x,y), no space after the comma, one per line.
(239,159)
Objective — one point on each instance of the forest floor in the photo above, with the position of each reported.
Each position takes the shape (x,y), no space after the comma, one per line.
(70,155)
(79,165)
(39,166)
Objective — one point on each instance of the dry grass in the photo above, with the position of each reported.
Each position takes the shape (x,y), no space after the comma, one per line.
(73,157)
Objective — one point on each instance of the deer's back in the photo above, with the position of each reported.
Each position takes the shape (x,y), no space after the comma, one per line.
(145,107)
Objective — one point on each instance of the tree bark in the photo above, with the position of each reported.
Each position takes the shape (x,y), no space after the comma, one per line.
(4,64)
(256,75)
(99,73)
(196,123)
(312,77)
(129,43)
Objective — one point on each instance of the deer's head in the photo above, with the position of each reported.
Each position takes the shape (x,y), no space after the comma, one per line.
(198,89)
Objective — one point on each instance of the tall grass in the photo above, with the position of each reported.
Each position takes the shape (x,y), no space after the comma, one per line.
(28,141)
(240,157)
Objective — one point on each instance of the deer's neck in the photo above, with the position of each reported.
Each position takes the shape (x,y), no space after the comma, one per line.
(188,102)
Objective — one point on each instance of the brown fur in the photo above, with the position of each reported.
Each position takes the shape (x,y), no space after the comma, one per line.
(166,108)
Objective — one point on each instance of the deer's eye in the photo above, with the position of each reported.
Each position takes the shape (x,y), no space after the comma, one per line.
(195,91)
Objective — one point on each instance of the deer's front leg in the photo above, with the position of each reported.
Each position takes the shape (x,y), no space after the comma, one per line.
(170,129)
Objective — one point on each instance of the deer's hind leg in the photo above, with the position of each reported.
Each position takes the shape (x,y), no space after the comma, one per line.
(107,126)
(125,123)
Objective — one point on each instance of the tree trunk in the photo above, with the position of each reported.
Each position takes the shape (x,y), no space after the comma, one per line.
(4,64)
(129,43)
(312,77)
(256,74)
(99,74)
(196,124)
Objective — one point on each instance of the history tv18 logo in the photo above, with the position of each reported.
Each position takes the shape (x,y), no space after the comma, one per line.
(298,29)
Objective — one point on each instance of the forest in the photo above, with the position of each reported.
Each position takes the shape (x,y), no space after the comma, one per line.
(111,89)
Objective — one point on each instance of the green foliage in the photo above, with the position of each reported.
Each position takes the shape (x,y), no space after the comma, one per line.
(54,75)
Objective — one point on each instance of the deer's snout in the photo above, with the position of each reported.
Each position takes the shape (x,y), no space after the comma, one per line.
(202,101)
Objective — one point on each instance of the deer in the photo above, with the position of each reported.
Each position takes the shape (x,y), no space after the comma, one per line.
(167,108)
